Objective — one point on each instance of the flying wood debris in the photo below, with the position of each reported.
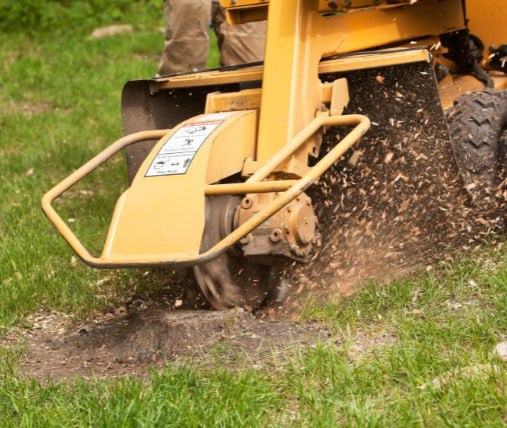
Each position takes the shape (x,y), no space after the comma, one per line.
(401,204)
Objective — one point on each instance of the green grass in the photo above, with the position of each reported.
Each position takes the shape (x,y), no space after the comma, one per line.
(60,105)
(58,16)
(443,325)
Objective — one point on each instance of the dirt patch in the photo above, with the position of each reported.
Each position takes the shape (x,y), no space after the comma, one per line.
(366,343)
(29,109)
(135,341)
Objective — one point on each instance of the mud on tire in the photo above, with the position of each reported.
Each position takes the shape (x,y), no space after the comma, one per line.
(478,130)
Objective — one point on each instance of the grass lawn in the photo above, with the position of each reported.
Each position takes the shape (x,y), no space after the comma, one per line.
(426,350)
(425,359)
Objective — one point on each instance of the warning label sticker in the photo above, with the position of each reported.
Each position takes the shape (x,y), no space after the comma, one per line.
(177,153)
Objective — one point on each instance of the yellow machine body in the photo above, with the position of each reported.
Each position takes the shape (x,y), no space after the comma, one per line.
(259,140)
(487,20)
(170,186)
(270,133)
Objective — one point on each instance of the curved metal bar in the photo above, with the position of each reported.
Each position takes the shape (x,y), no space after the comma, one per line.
(362,124)
(244,188)
(78,175)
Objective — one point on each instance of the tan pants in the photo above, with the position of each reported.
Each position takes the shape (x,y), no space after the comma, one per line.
(187,40)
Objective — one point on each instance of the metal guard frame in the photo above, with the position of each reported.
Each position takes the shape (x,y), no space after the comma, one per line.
(291,189)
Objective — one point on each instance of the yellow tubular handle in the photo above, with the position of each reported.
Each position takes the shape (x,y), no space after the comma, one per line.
(81,173)
(247,187)
(291,189)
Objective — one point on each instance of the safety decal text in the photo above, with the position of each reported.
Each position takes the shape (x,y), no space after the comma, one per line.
(177,153)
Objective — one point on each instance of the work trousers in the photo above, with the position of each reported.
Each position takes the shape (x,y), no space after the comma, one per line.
(187,37)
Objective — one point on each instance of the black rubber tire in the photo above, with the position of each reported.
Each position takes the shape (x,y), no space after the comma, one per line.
(478,129)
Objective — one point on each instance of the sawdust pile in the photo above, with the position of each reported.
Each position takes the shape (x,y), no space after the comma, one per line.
(396,203)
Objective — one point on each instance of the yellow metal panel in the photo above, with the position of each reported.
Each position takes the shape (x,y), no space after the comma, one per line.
(241,11)
(298,37)
(374,60)
(242,3)
(252,74)
(163,215)
(248,99)
(230,149)
(453,87)
(339,97)
(488,20)
(233,6)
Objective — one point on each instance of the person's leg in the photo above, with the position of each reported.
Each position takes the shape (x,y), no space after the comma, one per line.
(238,43)
(186,35)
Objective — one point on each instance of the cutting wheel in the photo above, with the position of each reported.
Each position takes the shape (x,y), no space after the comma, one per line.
(231,279)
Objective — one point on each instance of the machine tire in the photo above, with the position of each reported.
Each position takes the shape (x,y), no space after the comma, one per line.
(478,131)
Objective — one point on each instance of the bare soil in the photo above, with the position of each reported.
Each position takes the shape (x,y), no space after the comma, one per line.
(29,109)
(133,341)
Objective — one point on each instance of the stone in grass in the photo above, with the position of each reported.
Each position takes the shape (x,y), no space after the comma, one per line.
(501,351)
(111,30)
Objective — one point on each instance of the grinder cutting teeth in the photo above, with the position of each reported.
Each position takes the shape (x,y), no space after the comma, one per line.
(232,171)
(252,272)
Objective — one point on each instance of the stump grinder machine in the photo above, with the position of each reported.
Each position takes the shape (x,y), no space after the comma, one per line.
(222,163)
